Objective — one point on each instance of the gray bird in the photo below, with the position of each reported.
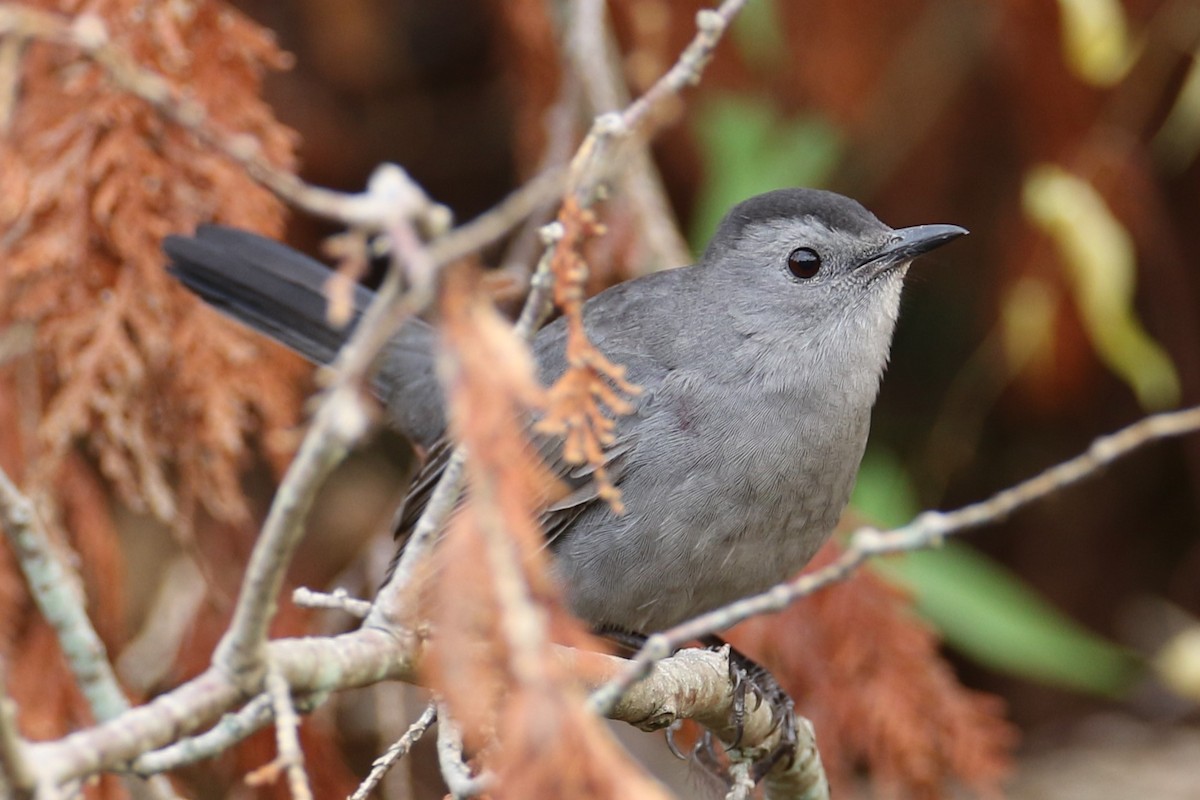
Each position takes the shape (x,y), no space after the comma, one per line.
(759,366)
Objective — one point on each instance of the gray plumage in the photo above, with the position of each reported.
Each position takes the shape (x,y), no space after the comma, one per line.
(757,391)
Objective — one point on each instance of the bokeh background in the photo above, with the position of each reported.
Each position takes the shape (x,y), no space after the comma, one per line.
(1062,133)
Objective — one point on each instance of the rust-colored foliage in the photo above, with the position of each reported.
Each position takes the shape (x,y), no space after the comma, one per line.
(867,673)
(497,610)
(130,387)
(583,402)
(92,179)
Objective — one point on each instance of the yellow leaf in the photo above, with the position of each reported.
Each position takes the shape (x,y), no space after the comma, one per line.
(1102,266)
(1096,40)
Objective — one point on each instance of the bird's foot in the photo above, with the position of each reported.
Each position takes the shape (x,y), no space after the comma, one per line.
(750,679)
(751,682)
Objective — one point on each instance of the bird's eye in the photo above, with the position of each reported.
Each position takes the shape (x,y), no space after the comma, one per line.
(803,262)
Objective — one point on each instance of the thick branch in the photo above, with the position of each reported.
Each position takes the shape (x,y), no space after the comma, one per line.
(308,665)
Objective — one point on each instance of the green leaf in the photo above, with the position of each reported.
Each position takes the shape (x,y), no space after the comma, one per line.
(982,609)
(989,614)
(748,148)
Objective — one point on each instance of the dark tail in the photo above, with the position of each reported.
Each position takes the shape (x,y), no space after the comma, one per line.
(281,293)
(264,284)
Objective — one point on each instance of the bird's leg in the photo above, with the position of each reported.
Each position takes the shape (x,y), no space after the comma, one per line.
(747,676)
(629,641)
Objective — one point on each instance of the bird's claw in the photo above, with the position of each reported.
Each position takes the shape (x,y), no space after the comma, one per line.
(749,678)
(672,745)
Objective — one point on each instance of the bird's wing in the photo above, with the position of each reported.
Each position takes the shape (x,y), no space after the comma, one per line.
(573,490)
(612,322)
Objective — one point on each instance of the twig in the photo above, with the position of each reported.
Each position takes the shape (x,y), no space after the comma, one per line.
(339,422)
(55,592)
(595,158)
(287,734)
(396,752)
(500,219)
(455,772)
(389,609)
(229,730)
(742,783)
(597,63)
(337,600)
(927,530)
(693,684)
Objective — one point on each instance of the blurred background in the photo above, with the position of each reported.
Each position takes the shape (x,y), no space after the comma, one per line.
(1062,133)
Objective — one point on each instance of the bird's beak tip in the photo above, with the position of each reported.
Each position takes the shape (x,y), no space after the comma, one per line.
(909,243)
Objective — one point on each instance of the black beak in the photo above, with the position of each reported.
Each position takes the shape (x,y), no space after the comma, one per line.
(908,243)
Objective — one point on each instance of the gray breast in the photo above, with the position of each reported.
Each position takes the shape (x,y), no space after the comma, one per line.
(737,493)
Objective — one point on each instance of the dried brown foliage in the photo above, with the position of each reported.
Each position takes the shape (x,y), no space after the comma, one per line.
(497,610)
(867,673)
(92,179)
(131,388)
(583,402)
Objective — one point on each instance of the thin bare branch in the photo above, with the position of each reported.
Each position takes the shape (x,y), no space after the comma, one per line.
(597,62)
(390,608)
(595,159)
(340,421)
(229,730)
(337,600)
(396,752)
(310,666)
(55,590)
(495,223)
(455,772)
(287,734)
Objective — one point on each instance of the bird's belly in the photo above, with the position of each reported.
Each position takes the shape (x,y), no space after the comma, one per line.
(710,526)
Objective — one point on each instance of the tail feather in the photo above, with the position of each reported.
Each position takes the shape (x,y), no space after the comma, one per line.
(263,284)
